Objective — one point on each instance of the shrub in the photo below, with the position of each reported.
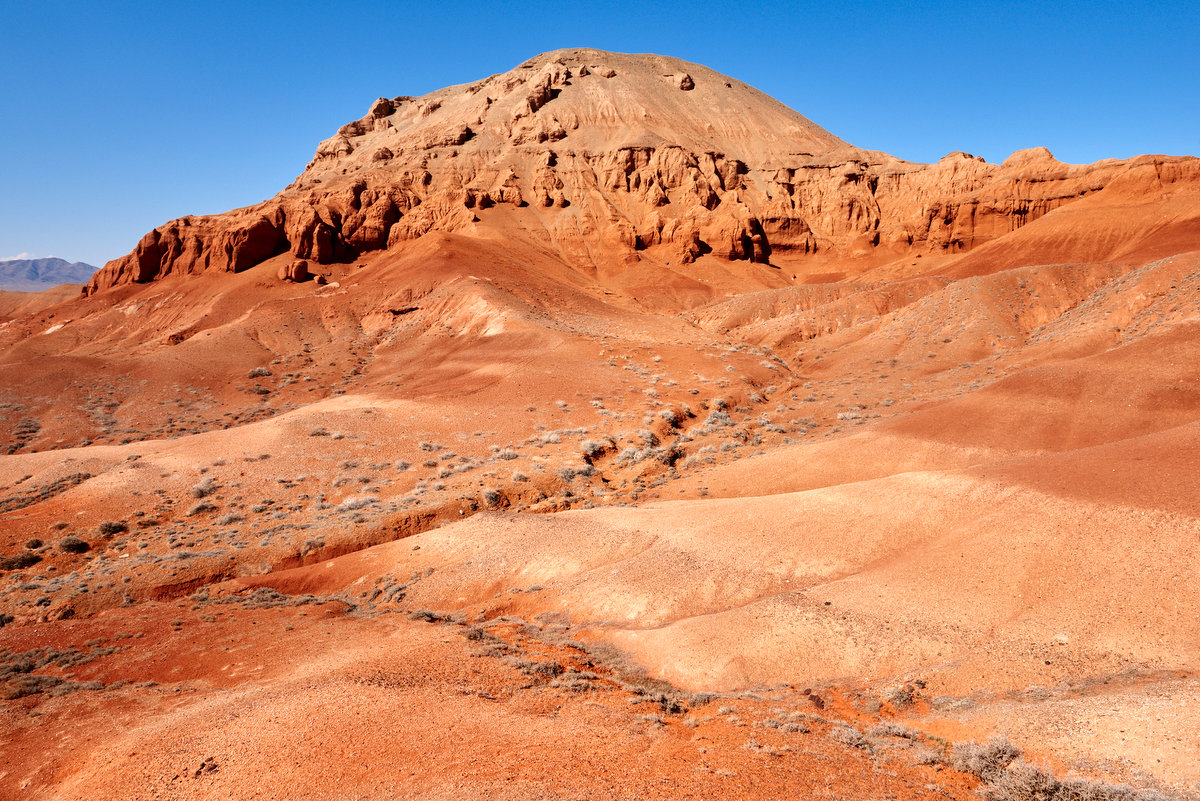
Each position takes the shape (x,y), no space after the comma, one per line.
(890,729)
(34,544)
(204,488)
(201,508)
(575,682)
(848,735)
(632,455)
(1021,781)
(669,455)
(546,668)
(591,448)
(426,615)
(568,473)
(718,419)
(111,528)
(258,372)
(73,545)
(986,761)
(355,502)
(19,562)
(649,438)
(531,667)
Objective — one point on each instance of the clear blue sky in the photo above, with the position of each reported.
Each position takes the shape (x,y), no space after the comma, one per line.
(118,116)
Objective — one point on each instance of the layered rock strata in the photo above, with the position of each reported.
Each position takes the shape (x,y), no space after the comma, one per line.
(601,155)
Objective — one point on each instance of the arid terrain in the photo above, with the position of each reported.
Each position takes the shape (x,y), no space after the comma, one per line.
(606,429)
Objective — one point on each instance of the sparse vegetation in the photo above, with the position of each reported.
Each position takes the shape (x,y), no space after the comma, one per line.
(1005,776)
(17,677)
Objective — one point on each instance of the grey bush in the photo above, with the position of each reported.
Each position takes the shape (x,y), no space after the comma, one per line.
(985,760)
(1021,781)
(205,488)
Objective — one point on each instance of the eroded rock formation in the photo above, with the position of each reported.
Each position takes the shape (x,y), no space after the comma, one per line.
(602,155)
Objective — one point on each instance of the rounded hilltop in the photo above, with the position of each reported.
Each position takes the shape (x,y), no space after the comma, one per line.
(593,101)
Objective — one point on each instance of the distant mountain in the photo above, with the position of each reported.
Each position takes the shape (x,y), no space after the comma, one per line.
(35,275)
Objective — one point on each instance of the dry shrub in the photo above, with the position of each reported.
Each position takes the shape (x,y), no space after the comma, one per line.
(985,760)
(1021,781)
(73,545)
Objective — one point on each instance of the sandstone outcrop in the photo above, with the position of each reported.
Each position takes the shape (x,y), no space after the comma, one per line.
(602,155)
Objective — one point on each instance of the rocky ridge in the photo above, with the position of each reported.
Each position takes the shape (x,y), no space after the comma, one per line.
(600,156)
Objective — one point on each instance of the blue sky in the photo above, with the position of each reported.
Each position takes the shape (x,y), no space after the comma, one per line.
(119,116)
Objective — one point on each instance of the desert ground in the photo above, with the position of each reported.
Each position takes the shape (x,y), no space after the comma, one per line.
(605,428)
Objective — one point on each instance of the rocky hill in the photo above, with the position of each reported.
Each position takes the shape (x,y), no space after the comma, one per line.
(606,159)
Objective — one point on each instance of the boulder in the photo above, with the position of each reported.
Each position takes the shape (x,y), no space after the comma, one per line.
(381,108)
(296,271)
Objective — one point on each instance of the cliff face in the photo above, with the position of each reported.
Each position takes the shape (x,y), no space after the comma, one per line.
(600,155)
